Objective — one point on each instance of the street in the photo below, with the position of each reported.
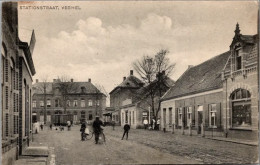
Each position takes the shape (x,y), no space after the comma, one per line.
(142,147)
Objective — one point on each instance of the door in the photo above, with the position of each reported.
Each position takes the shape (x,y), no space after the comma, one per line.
(164,117)
(200,118)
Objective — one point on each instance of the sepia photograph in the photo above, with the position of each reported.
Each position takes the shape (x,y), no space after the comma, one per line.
(129,82)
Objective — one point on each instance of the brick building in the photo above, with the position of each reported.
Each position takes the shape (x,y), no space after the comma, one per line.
(131,100)
(221,93)
(82,102)
(17,71)
(121,93)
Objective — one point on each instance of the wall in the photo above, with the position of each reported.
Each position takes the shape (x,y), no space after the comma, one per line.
(205,99)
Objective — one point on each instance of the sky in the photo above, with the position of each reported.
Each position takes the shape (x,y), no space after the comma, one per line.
(102,39)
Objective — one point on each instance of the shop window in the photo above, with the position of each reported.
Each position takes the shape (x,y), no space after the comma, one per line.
(212,115)
(241,109)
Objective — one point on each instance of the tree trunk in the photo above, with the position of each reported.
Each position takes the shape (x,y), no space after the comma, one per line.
(45,106)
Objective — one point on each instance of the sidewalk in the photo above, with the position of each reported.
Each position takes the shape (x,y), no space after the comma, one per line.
(217,136)
(36,155)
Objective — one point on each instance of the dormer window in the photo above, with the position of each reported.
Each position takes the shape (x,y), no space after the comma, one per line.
(83,90)
(238,58)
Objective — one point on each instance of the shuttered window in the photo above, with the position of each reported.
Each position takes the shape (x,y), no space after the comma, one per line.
(6,70)
(16,80)
(6,124)
(6,97)
(15,124)
(14,102)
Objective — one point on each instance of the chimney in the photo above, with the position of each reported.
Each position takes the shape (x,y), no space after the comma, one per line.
(71,80)
(124,78)
(54,80)
(37,80)
(190,66)
(131,72)
(89,80)
(163,72)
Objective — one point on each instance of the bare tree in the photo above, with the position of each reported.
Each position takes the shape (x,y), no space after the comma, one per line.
(154,71)
(42,87)
(99,92)
(66,87)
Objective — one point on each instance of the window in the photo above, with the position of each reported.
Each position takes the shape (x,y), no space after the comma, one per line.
(6,70)
(90,103)
(170,115)
(34,104)
(238,59)
(68,103)
(83,90)
(48,103)
(123,118)
(6,124)
(57,103)
(41,104)
(180,116)
(83,103)
(83,113)
(48,117)
(75,116)
(16,124)
(90,116)
(98,103)
(212,115)
(6,97)
(241,108)
(75,103)
(189,116)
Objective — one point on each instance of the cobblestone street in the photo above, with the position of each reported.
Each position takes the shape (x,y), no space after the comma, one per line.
(143,146)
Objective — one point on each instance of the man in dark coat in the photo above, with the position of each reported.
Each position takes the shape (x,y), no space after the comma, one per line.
(126,130)
(82,130)
(97,128)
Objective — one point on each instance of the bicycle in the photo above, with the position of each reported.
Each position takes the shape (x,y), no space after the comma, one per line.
(102,137)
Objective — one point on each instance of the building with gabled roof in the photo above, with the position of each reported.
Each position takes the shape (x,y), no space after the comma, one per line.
(17,71)
(220,93)
(83,102)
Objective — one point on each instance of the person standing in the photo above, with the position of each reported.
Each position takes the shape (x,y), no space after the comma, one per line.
(113,124)
(158,124)
(50,126)
(69,125)
(41,126)
(82,130)
(126,130)
(145,123)
(97,128)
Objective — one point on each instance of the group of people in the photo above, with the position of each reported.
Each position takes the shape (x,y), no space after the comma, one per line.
(155,125)
(97,129)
